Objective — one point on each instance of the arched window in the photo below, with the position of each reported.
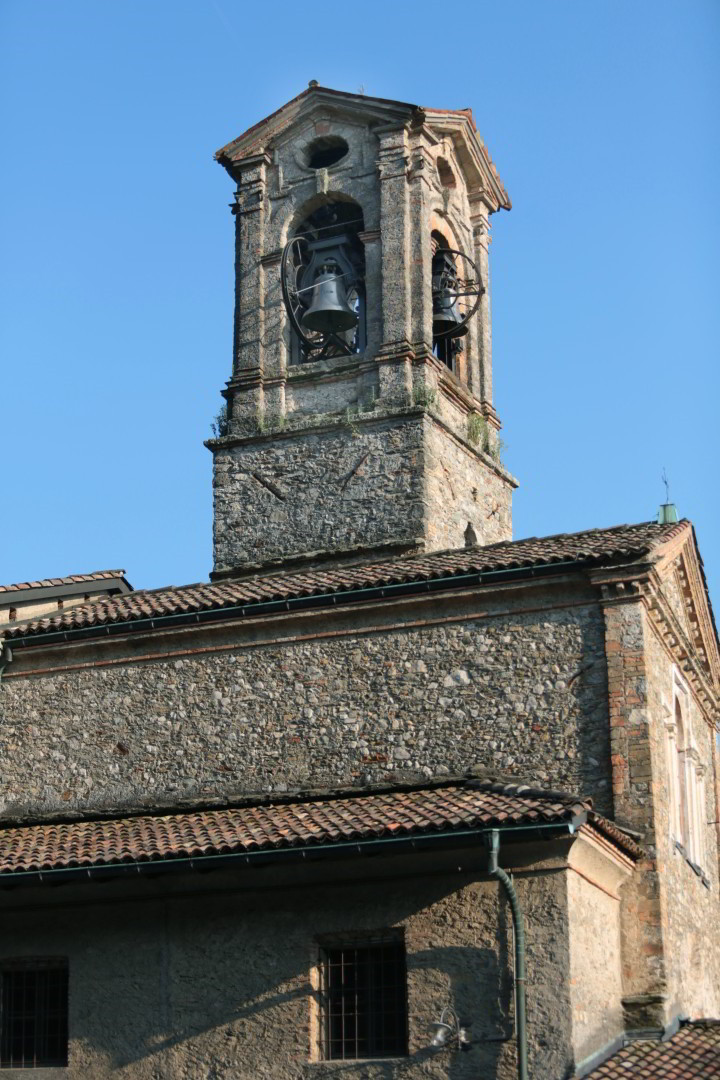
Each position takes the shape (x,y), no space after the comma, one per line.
(681,787)
(686,781)
(333,228)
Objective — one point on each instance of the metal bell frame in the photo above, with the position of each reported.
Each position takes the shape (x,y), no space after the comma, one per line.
(452,285)
(302,269)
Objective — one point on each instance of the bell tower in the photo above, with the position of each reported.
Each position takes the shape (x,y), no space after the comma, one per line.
(359,410)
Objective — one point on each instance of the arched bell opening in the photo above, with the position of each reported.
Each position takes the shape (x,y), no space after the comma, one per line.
(323,281)
(456,293)
(445,347)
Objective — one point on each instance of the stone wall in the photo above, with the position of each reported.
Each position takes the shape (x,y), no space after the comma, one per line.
(318,490)
(594,946)
(366,481)
(221,984)
(463,488)
(322,704)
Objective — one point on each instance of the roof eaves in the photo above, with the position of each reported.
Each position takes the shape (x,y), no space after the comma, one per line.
(70,579)
(440,812)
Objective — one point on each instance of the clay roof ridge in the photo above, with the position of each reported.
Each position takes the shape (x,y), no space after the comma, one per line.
(602,529)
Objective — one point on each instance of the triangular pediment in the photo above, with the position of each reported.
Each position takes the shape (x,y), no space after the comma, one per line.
(321,102)
(315,100)
(683,586)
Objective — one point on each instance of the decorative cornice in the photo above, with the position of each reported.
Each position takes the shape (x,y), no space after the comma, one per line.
(645,585)
(681,649)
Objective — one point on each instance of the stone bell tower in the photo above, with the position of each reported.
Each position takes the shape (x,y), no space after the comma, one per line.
(359,412)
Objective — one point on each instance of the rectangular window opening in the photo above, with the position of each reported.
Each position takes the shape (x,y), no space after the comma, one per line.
(363,998)
(33,1015)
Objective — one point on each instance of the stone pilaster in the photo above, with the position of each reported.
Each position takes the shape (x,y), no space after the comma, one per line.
(395,354)
(244,391)
(482,388)
(631,755)
(420,191)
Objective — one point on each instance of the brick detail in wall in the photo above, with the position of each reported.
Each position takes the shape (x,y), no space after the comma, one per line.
(644,976)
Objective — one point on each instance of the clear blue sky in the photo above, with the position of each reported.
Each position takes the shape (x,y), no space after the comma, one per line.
(116,251)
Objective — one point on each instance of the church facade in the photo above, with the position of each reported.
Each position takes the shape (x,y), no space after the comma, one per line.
(392,794)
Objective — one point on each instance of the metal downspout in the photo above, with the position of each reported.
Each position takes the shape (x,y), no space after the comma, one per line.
(5,658)
(518,926)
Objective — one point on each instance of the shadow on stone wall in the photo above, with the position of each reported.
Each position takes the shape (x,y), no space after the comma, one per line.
(220,987)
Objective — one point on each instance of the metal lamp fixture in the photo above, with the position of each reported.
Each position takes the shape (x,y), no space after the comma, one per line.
(448,1032)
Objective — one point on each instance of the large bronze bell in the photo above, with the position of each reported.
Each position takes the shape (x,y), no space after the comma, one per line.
(329,312)
(444,294)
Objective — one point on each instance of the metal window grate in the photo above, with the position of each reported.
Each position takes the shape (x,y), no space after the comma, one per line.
(364,1000)
(33,1017)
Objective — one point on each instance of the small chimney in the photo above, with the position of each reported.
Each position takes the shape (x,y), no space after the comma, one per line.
(667,514)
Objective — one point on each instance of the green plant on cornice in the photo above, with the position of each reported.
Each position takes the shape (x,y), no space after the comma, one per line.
(498,449)
(479,434)
(424,395)
(478,431)
(221,425)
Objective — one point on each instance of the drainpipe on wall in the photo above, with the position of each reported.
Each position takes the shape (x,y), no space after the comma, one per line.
(5,658)
(519,932)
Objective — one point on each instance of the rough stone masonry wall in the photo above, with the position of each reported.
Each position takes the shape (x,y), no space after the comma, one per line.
(463,489)
(221,985)
(365,482)
(521,695)
(318,490)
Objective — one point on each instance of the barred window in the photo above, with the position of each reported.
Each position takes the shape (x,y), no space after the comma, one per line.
(363,998)
(33,1014)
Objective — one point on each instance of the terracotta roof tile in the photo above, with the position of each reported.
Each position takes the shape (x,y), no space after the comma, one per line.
(271,826)
(627,543)
(72,579)
(692,1054)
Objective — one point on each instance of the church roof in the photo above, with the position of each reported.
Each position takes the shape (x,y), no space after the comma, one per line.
(71,579)
(341,584)
(693,1053)
(450,807)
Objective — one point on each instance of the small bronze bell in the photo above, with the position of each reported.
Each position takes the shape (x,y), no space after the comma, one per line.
(444,294)
(329,312)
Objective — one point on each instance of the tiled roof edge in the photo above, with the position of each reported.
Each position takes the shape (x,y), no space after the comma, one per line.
(220,599)
(70,579)
(517,806)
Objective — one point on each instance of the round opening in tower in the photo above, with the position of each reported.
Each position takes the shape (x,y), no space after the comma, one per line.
(325,151)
